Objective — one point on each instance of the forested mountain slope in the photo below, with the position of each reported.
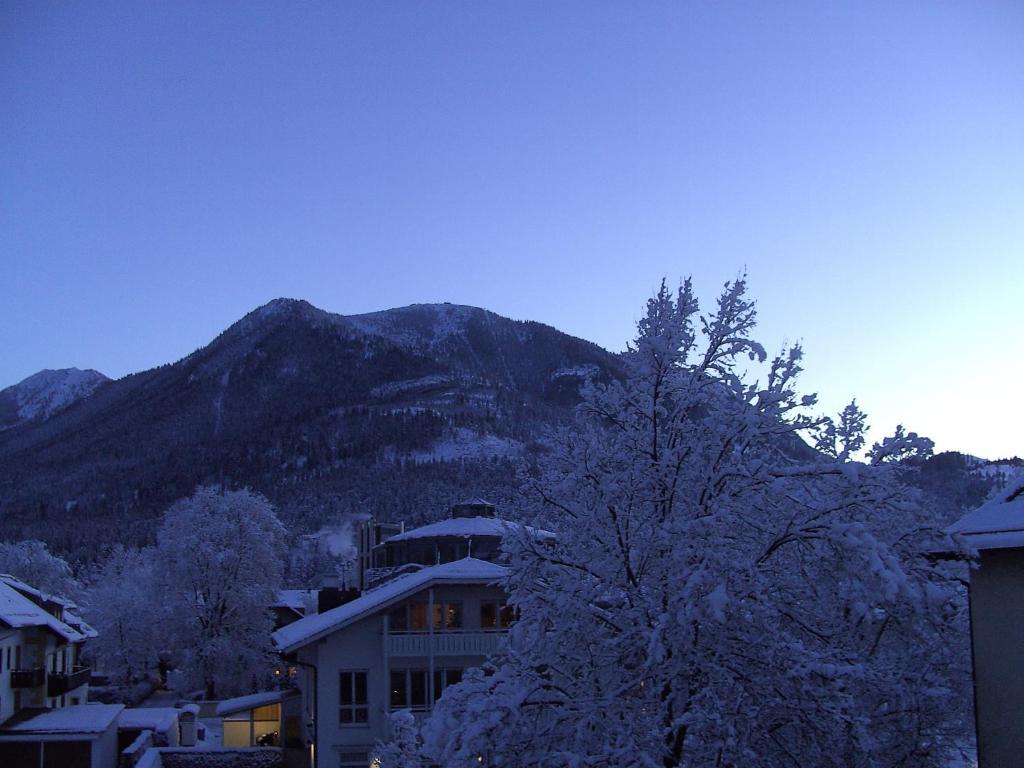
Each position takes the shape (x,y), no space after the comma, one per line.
(394,412)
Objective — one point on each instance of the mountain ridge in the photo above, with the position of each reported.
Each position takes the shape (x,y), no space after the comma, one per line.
(393,411)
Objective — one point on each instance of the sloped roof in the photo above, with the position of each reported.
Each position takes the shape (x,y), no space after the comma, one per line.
(17,611)
(252,701)
(467,527)
(25,589)
(311,628)
(81,718)
(996,524)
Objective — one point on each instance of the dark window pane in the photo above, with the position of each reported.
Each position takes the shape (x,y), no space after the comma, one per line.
(418,616)
(488,615)
(438,613)
(453,676)
(453,615)
(508,615)
(361,688)
(361,714)
(418,688)
(438,683)
(345,687)
(398,620)
(346,715)
(398,689)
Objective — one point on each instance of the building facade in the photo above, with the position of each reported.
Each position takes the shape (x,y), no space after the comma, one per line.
(432,608)
(996,531)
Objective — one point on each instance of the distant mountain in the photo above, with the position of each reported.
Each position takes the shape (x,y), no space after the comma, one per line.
(395,413)
(43,394)
(957,482)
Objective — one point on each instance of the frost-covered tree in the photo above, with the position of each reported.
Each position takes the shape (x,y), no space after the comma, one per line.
(219,557)
(403,749)
(720,592)
(34,564)
(122,602)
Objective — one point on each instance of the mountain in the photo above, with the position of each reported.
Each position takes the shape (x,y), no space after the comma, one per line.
(394,413)
(45,393)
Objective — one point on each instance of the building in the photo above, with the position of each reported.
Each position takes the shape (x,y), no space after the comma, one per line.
(81,736)
(996,530)
(268,719)
(44,718)
(433,606)
(41,641)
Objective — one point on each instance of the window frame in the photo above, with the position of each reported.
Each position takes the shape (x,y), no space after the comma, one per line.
(354,707)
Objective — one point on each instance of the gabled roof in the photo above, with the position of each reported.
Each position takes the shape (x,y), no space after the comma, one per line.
(17,612)
(996,524)
(469,570)
(295,599)
(466,527)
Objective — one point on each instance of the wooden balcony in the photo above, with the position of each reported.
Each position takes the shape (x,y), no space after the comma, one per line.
(28,678)
(59,683)
(466,643)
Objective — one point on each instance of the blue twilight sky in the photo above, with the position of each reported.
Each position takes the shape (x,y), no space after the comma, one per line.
(167,167)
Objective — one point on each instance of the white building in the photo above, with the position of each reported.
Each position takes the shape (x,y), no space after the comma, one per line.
(40,645)
(996,530)
(44,718)
(434,608)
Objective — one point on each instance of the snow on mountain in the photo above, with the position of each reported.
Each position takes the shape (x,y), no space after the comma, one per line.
(45,393)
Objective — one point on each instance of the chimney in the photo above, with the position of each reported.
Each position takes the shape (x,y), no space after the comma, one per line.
(331,597)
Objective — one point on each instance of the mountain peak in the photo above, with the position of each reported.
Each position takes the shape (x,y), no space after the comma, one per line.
(45,393)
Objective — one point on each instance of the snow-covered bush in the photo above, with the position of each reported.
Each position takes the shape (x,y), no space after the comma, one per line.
(720,592)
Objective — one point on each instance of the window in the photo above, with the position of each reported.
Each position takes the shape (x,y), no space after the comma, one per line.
(355,708)
(495,615)
(412,617)
(409,689)
(443,678)
(447,615)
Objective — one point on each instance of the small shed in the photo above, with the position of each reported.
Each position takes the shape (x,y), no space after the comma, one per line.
(996,531)
(257,720)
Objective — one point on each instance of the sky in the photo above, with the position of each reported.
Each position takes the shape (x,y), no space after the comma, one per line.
(167,167)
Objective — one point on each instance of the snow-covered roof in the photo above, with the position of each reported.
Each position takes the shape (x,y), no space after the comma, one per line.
(25,589)
(996,524)
(153,718)
(467,527)
(252,701)
(17,611)
(312,628)
(81,718)
(76,621)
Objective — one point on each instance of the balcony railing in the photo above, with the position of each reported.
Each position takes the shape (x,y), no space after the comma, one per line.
(469,643)
(28,678)
(59,683)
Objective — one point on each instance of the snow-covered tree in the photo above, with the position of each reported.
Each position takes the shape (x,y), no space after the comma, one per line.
(219,562)
(403,749)
(34,564)
(121,602)
(720,592)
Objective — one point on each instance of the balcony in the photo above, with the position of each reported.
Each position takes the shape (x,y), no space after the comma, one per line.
(59,683)
(28,678)
(469,643)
